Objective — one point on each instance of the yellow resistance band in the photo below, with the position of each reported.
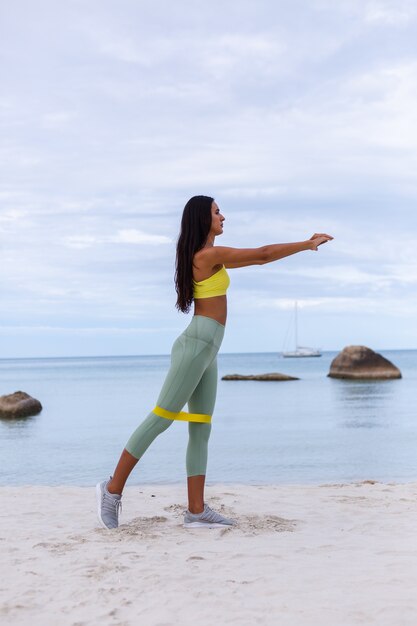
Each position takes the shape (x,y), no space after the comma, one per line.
(182,415)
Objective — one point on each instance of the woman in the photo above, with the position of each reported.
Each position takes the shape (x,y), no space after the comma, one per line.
(201,277)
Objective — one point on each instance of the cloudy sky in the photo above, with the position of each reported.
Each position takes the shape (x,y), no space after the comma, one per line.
(298,117)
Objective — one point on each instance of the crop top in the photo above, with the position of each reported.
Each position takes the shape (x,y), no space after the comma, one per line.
(215,285)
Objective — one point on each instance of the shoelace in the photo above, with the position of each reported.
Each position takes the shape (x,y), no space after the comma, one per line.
(211,515)
(115,503)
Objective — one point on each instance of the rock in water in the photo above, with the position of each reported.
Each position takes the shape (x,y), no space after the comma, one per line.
(357,362)
(19,404)
(272,376)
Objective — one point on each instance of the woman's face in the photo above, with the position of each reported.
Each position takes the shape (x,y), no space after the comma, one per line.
(217,220)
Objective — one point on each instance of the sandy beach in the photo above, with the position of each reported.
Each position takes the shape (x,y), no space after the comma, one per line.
(337,554)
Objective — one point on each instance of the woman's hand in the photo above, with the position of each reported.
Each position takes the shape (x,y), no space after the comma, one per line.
(317,239)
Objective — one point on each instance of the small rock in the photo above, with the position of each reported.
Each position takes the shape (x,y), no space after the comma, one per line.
(272,376)
(360,362)
(19,404)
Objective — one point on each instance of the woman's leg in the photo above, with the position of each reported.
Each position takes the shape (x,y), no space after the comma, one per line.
(202,400)
(189,359)
(139,442)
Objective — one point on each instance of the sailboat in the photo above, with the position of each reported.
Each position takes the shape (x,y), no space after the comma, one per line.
(300,351)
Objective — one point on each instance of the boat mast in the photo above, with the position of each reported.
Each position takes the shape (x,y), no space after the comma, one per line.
(296,327)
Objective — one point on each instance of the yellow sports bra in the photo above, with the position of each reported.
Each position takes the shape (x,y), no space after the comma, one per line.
(215,285)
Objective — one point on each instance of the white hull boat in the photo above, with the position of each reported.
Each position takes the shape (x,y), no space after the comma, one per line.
(300,351)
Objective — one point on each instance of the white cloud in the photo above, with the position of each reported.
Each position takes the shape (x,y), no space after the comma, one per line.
(6,104)
(373,13)
(90,330)
(81,241)
(393,12)
(378,245)
(12,215)
(57,119)
(344,275)
(233,52)
(124,236)
(135,236)
(117,43)
(390,95)
(402,273)
(361,305)
(121,49)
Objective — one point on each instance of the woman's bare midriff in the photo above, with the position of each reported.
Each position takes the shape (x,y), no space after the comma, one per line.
(215,307)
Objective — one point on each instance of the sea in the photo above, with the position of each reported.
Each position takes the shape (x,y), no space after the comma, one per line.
(315,430)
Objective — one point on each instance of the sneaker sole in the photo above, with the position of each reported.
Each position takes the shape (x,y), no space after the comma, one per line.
(98,495)
(206,525)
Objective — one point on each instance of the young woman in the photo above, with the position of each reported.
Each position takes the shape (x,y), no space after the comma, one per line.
(201,277)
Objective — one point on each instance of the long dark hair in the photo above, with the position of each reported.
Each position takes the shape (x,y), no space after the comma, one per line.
(195,227)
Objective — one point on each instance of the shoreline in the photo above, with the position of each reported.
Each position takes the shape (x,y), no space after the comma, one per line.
(301,555)
(221,484)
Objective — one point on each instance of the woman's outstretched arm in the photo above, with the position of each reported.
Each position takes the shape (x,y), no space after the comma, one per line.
(241,257)
(276,251)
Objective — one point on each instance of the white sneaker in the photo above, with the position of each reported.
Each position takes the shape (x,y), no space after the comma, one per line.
(108,506)
(207,518)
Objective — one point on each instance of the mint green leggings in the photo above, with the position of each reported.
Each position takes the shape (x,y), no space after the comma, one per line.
(192,378)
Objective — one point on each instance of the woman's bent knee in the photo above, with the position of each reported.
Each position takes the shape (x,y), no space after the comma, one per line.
(146,432)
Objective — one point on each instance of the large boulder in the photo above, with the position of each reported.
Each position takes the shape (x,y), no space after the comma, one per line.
(19,404)
(355,362)
(272,376)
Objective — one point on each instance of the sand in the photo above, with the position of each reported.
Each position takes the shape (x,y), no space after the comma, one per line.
(300,556)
